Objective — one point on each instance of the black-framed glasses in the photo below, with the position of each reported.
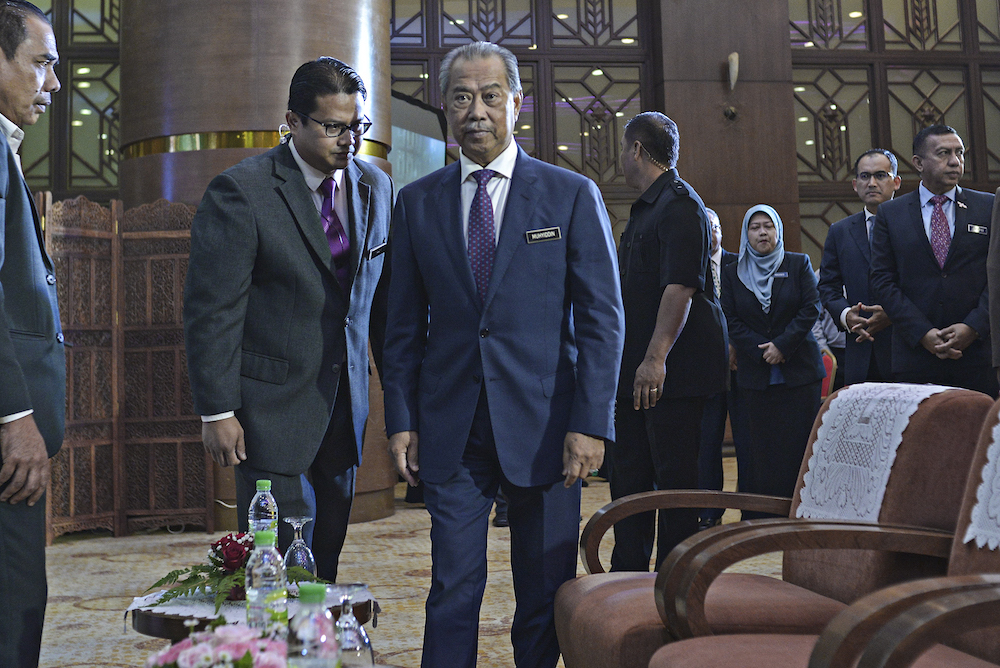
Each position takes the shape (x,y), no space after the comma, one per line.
(879,176)
(357,128)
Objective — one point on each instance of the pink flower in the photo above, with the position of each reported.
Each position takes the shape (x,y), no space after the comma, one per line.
(196,656)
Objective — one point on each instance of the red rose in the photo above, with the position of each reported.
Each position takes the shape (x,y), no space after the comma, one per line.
(234,555)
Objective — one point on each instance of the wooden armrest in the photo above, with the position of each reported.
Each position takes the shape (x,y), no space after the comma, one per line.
(851,631)
(684,579)
(606,517)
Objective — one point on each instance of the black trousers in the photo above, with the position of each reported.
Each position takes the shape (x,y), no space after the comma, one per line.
(325,492)
(23,588)
(713,431)
(780,421)
(656,448)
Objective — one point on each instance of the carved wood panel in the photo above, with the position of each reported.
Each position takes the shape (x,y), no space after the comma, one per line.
(132,458)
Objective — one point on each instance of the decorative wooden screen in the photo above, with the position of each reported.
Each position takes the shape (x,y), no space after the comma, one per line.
(132,458)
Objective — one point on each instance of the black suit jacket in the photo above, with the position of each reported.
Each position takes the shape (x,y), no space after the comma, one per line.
(32,358)
(267,326)
(993,275)
(918,295)
(794,309)
(846,265)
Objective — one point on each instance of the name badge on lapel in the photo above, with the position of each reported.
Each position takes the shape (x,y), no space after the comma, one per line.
(979,229)
(378,250)
(544,234)
(781,274)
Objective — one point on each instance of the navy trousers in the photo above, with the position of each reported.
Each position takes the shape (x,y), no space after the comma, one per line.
(22,582)
(544,530)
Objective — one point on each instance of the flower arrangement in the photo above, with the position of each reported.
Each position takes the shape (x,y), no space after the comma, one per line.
(226,646)
(223,576)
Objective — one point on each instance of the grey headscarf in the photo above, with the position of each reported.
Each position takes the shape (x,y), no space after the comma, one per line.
(756,271)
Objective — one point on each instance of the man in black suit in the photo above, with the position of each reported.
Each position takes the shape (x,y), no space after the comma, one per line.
(32,361)
(713,421)
(287,249)
(845,267)
(929,252)
(675,353)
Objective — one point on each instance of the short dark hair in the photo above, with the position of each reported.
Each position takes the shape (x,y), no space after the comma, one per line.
(480,51)
(879,151)
(658,135)
(13,30)
(323,76)
(921,139)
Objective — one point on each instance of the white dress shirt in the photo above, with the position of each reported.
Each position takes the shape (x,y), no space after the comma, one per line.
(927,208)
(14,136)
(498,187)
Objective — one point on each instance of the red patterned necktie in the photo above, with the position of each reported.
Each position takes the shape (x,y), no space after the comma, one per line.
(340,245)
(940,233)
(482,233)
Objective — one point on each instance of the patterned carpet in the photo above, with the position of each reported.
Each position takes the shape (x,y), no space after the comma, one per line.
(93,579)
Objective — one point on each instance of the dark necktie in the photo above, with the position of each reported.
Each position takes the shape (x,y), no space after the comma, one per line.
(940,233)
(340,245)
(482,233)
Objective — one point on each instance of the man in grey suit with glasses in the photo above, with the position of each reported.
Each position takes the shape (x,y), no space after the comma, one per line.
(286,253)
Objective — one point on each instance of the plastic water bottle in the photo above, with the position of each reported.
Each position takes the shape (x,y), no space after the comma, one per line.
(266,587)
(263,513)
(312,634)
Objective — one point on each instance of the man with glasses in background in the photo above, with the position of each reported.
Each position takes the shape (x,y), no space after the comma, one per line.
(845,267)
(287,250)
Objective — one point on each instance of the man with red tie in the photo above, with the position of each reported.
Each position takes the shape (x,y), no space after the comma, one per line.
(929,252)
(287,249)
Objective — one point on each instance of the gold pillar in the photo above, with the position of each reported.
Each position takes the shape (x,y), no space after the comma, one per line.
(205,84)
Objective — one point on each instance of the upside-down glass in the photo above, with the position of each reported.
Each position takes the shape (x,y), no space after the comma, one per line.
(298,553)
(355,647)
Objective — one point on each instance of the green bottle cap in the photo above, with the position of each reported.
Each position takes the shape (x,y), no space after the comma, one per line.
(263,485)
(312,592)
(263,538)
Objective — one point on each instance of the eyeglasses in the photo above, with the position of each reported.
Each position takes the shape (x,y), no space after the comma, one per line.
(879,176)
(357,128)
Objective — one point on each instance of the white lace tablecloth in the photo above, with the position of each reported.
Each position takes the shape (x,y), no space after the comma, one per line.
(984,527)
(234,612)
(855,448)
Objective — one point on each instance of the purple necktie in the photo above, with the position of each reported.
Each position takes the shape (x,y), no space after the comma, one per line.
(940,233)
(340,246)
(482,234)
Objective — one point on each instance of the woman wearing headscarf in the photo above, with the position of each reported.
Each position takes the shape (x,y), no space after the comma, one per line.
(770,300)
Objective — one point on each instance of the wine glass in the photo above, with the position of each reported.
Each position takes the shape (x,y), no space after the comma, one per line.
(355,647)
(298,553)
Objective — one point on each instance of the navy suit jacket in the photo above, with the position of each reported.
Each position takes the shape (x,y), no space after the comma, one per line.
(794,309)
(846,264)
(32,357)
(546,343)
(918,295)
(267,326)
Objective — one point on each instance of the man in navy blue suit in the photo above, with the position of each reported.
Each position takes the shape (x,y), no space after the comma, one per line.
(504,334)
(929,251)
(845,267)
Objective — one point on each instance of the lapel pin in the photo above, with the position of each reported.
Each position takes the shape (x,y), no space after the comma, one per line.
(961,205)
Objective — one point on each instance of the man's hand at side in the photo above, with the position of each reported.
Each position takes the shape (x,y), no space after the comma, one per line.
(25,461)
(403,450)
(224,441)
(581,455)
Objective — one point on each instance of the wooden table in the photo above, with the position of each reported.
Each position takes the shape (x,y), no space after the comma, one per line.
(172,628)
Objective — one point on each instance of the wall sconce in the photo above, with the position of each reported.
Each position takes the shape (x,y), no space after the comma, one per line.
(734,69)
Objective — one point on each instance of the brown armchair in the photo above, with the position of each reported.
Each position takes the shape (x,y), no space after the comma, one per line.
(896,626)
(612,619)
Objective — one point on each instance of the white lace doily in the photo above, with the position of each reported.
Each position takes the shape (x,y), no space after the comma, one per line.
(855,449)
(203,606)
(984,525)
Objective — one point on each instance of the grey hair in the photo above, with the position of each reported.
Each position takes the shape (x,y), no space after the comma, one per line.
(479,51)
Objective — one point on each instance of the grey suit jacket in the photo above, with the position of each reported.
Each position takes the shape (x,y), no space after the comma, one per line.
(32,358)
(266,324)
